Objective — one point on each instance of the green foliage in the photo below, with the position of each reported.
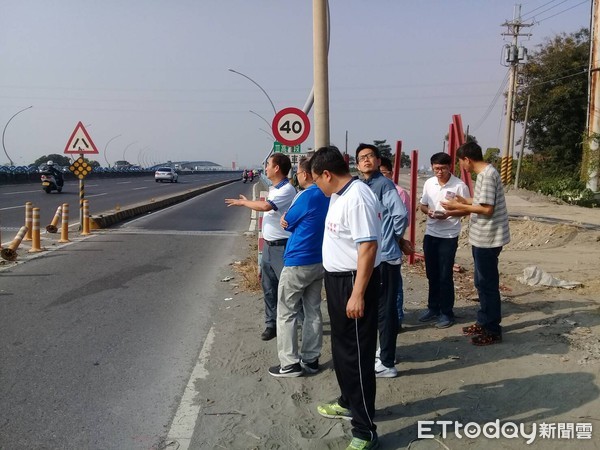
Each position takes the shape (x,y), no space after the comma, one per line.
(556,79)
(384,149)
(404,160)
(492,155)
(538,175)
(61,160)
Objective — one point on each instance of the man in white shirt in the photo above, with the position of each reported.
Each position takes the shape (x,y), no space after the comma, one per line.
(351,257)
(441,239)
(277,203)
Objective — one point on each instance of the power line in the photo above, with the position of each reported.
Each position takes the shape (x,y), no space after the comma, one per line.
(563,11)
(552,7)
(539,7)
(493,103)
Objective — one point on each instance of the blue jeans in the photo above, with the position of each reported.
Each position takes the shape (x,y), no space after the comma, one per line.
(487,283)
(439,262)
(271,266)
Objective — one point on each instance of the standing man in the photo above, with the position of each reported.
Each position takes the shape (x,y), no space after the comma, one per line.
(386,170)
(301,280)
(441,239)
(393,224)
(351,258)
(488,233)
(278,201)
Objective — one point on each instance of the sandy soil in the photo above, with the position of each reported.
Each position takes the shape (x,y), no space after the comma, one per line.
(545,371)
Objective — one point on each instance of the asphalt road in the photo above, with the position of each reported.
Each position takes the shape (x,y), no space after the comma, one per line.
(99,337)
(104,194)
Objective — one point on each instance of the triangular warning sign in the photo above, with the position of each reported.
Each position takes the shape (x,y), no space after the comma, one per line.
(80,141)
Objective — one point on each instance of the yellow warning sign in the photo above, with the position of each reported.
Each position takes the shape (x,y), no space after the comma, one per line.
(80,168)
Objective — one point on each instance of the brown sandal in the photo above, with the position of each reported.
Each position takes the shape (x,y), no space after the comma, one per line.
(486,339)
(473,330)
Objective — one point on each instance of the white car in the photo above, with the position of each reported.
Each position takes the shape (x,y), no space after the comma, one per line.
(165,174)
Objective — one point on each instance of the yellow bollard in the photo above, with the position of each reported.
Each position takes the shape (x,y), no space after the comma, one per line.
(35,232)
(64,228)
(28,216)
(85,226)
(10,253)
(52,228)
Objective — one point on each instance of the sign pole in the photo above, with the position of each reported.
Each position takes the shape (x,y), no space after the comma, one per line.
(81,198)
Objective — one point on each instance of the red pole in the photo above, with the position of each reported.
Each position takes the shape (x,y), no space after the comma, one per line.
(414,164)
(397,161)
(460,140)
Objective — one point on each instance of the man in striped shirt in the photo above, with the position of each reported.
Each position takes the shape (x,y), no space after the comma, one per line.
(488,233)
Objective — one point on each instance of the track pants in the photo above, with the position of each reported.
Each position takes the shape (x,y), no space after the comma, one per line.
(353,346)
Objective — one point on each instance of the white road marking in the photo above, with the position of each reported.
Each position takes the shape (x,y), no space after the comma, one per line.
(137,189)
(184,422)
(12,207)
(20,192)
(96,195)
(124,182)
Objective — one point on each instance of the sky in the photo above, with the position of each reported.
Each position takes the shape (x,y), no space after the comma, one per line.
(149,79)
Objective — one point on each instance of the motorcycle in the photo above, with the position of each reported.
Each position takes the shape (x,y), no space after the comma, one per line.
(49,183)
(245,177)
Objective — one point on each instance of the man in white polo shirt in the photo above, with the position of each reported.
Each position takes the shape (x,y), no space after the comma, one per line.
(278,202)
(441,239)
(351,257)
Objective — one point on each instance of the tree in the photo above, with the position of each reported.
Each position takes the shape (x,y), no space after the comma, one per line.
(492,155)
(384,149)
(404,160)
(61,160)
(556,79)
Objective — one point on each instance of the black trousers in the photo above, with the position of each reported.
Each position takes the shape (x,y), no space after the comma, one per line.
(439,264)
(353,346)
(388,312)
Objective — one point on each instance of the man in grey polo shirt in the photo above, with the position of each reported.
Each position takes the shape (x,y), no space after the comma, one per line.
(278,202)
(488,233)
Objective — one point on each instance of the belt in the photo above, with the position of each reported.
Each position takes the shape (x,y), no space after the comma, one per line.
(277,243)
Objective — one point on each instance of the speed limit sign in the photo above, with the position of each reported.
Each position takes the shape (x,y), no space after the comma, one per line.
(291,126)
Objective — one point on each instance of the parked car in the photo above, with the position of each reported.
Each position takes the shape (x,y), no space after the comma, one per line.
(166,174)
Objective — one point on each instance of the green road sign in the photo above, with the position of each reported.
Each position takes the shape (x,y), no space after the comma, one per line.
(278,147)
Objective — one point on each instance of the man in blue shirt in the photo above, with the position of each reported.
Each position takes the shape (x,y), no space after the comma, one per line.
(301,280)
(393,225)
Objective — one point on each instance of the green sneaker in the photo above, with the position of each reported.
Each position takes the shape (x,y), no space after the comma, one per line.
(333,410)
(360,444)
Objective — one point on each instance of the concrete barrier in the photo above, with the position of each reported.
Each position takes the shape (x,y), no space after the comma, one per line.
(106,220)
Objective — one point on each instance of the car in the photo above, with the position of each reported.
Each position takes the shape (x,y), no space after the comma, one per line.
(166,174)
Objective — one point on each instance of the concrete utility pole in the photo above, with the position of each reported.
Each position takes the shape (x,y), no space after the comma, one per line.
(514,55)
(592,156)
(321,74)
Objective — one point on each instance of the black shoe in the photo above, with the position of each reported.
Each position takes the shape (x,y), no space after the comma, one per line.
(293,370)
(310,367)
(268,334)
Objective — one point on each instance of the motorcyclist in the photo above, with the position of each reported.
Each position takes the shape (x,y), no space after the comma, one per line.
(251,175)
(245,175)
(58,176)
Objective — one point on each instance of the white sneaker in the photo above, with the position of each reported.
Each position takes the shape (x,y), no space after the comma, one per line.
(382,371)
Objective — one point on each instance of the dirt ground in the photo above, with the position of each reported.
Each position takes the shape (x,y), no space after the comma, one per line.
(546,371)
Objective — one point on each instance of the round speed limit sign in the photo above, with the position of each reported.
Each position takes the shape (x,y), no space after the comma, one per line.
(291,126)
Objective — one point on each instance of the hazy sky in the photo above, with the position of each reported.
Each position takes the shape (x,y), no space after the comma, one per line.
(155,72)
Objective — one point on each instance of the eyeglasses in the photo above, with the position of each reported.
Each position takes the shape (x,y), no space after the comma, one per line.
(315,179)
(385,172)
(365,157)
(440,169)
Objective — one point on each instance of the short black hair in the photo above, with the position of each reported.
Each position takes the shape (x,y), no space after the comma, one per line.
(386,162)
(441,158)
(283,161)
(304,164)
(329,158)
(362,147)
(470,150)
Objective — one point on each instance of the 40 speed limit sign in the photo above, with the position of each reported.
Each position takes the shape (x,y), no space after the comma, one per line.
(291,126)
